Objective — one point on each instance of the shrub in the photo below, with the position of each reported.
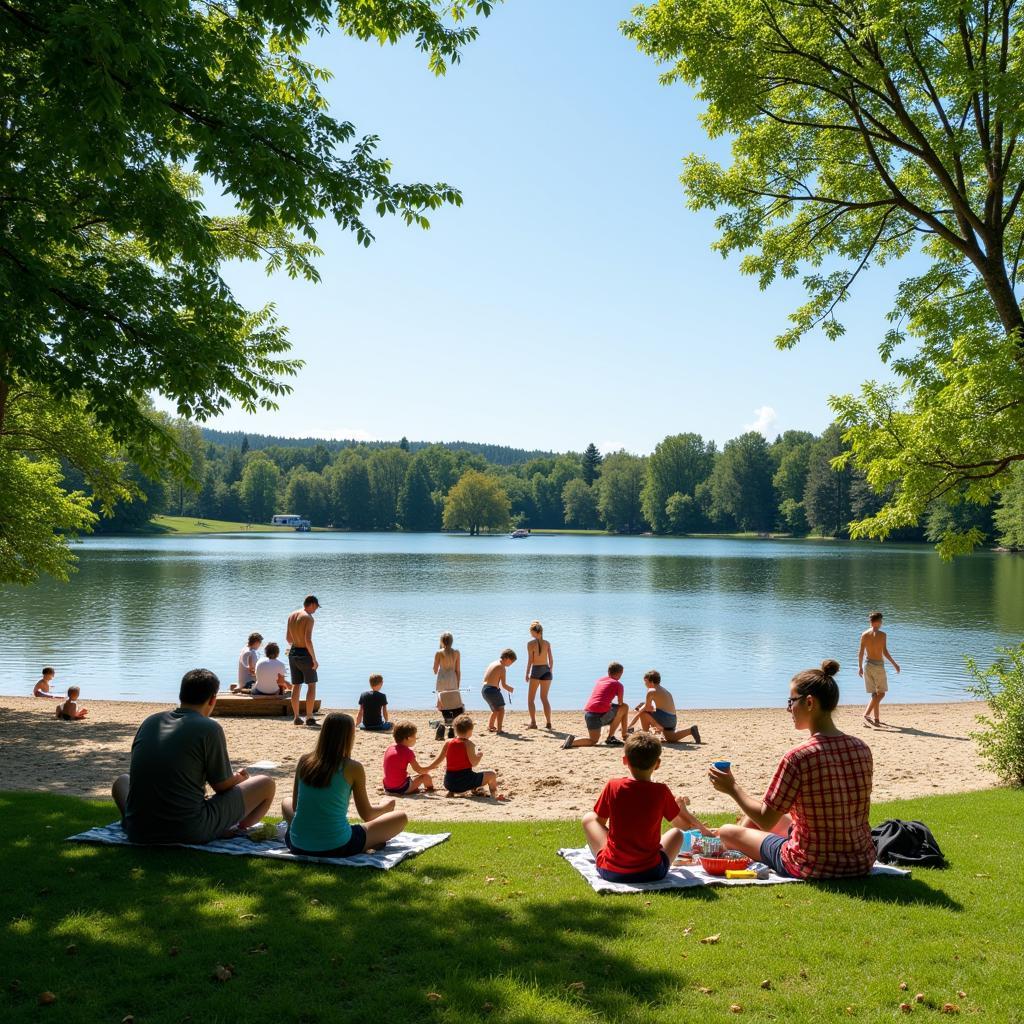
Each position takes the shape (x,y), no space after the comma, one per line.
(1001,686)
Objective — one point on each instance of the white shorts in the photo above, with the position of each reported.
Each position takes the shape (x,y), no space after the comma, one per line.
(875,679)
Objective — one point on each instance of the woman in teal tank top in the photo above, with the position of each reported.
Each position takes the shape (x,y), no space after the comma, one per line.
(325,783)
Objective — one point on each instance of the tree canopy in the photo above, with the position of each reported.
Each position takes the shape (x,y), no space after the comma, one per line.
(862,133)
(115,117)
(477,502)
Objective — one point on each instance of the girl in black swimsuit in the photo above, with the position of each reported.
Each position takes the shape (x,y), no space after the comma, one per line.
(539,664)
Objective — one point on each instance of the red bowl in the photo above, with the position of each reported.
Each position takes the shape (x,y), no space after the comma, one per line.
(719,865)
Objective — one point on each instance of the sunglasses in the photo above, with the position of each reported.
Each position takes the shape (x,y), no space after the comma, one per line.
(790,701)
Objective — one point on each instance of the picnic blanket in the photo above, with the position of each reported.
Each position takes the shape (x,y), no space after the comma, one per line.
(682,877)
(405,844)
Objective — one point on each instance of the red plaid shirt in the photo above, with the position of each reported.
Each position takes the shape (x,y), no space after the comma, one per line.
(825,785)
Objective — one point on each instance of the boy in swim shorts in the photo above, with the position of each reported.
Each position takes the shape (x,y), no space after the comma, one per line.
(400,757)
(624,828)
(658,712)
(873,644)
(494,682)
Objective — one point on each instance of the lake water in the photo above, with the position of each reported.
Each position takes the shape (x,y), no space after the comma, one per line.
(727,622)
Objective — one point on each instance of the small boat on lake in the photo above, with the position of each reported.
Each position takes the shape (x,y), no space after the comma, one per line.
(520,533)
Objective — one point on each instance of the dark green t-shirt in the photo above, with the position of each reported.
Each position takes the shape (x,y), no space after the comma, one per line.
(174,755)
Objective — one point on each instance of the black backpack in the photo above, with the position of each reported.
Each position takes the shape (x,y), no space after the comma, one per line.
(907,843)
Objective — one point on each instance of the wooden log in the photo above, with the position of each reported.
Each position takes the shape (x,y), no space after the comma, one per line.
(241,705)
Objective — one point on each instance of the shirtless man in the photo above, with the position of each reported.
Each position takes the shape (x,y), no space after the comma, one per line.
(873,644)
(658,712)
(302,661)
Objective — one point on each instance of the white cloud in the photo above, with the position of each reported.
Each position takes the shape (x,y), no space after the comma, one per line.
(765,419)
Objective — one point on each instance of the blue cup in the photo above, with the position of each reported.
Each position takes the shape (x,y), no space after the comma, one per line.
(722,766)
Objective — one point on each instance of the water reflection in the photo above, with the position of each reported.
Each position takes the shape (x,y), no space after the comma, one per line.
(727,622)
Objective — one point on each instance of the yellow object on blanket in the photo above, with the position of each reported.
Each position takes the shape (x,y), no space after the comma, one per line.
(741,874)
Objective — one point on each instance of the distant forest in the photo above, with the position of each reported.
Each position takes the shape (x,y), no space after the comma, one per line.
(685,486)
(498,454)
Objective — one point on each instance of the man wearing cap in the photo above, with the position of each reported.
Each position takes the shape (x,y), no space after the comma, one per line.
(302,661)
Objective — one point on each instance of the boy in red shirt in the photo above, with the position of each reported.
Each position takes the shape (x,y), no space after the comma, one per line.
(601,710)
(624,828)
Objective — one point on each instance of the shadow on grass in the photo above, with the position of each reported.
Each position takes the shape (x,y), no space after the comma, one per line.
(887,889)
(436,939)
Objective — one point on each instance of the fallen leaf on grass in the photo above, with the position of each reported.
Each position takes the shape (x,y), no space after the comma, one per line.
(47,999)
(735,1008)
(704,990)
(128,1019)
(950,1008)
(711,940)
(260,948)
(435,997)
(905,1008)
(71,949)
(904,986)
(961,994)
(246,917)
(803,973)
(766,984)
(919,998)
(576,986)
(489,879)
(223,973)
(687,931)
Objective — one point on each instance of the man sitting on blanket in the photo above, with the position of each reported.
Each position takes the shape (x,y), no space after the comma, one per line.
(624,828)
(174,755)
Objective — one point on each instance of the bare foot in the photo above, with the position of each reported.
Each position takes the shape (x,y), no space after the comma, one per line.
(491,728)
(500,796)
(532,725)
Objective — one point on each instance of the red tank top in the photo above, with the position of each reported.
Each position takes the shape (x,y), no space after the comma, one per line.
(457,758)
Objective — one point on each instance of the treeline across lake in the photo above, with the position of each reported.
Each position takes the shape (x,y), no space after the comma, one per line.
(687,485)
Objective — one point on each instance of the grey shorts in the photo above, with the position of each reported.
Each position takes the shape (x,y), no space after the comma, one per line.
(218,813)
(595,722)
(492,694)
(665,719)
(300,665)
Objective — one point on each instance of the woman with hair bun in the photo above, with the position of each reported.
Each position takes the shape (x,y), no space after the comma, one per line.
(813,819)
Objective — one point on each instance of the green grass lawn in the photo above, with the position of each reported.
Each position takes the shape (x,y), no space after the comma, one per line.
(189,524)
(492,926)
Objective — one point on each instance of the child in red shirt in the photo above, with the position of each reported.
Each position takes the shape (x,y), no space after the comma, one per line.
(624,828)
(399,757)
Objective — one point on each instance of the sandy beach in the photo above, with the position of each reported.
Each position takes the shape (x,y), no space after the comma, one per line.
(924,749)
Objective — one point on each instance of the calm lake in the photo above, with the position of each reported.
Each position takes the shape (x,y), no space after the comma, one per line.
(727,622)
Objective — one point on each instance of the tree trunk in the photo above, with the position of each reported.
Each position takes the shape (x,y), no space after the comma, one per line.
(998,285)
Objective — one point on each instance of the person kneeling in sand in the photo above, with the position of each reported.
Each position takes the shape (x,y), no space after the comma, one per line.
(624,829)
(461,758)
(400,757)
(70,710)
(175,754)
(600,711)
(325,782)
(658,712)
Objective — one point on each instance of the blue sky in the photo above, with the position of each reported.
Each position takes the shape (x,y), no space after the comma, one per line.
(573,297)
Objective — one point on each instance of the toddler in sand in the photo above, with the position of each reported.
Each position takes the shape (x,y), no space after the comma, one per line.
(461,758)
(624,828)
(70,710)
(42,688)
(400,757)
(873,644)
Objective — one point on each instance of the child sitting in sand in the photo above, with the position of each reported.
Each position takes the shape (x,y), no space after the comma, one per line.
(270,674)
(70,710)
(658,712)
(325,782)
(494,681)
(461,758)
(42,688)
(624,828)
(400,757)
(373,707)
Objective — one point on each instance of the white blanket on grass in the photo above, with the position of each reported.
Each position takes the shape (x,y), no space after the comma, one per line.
(683,877)
(405,844)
